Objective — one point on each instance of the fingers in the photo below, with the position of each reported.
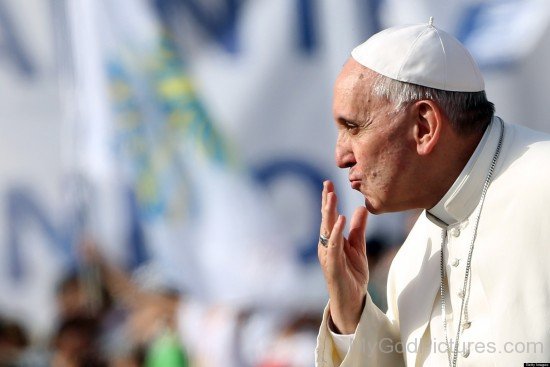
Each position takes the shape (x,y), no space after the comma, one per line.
(329,211)
(327,187)
(336,240)
(330,214)
(358,226)
(332,258)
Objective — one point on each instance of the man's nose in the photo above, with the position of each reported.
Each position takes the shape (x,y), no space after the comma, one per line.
(343,153)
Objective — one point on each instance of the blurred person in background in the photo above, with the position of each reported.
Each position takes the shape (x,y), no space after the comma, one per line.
(151,324)
(79,294)
(165,328)
(76,343)
(108,317)
(13,342)
(380,253)
(415,130)
(142,328)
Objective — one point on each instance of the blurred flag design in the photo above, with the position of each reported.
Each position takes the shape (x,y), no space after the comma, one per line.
(205,221)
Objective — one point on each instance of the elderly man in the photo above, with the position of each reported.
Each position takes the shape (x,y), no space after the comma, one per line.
(471,284)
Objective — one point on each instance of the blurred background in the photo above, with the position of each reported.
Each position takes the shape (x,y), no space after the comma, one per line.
(161,164)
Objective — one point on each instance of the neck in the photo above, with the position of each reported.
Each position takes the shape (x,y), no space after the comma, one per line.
(448,165)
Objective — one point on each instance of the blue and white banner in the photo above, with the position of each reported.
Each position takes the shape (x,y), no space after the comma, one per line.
(38,216)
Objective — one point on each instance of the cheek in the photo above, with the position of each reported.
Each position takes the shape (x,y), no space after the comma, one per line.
(389,168)
(398,167)
(381,161)
(374,169)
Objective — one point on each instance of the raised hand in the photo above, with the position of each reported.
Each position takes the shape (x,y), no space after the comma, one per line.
(344,261)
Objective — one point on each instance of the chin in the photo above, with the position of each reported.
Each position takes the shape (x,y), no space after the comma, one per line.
(373,209)
(379,207)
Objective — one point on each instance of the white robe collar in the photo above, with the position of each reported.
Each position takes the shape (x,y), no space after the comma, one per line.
(463,196)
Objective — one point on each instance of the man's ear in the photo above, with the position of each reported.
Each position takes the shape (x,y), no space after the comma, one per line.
(428,123)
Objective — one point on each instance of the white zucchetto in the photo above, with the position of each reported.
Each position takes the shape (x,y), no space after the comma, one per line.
(421,54)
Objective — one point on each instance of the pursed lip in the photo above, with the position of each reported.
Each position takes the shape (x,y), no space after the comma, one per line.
(355,183)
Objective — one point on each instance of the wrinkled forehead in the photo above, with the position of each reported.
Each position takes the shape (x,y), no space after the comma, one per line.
(353,90)
(354,76)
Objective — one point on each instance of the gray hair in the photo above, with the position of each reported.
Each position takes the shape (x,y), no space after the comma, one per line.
(468,112)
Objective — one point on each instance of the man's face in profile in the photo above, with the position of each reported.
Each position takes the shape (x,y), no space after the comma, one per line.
(374,141)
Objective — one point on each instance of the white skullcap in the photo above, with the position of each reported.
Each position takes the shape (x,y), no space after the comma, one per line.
(421,54)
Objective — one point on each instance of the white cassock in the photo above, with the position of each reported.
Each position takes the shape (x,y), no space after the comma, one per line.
(509,304)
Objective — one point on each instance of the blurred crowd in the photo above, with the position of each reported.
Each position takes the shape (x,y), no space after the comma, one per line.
(110,317)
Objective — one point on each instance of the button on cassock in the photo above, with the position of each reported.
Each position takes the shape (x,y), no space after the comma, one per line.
(455,262)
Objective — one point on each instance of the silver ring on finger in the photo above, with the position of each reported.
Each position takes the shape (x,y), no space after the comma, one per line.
(323,240)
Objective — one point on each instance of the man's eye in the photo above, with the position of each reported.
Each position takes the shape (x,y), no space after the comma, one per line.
(350,126)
